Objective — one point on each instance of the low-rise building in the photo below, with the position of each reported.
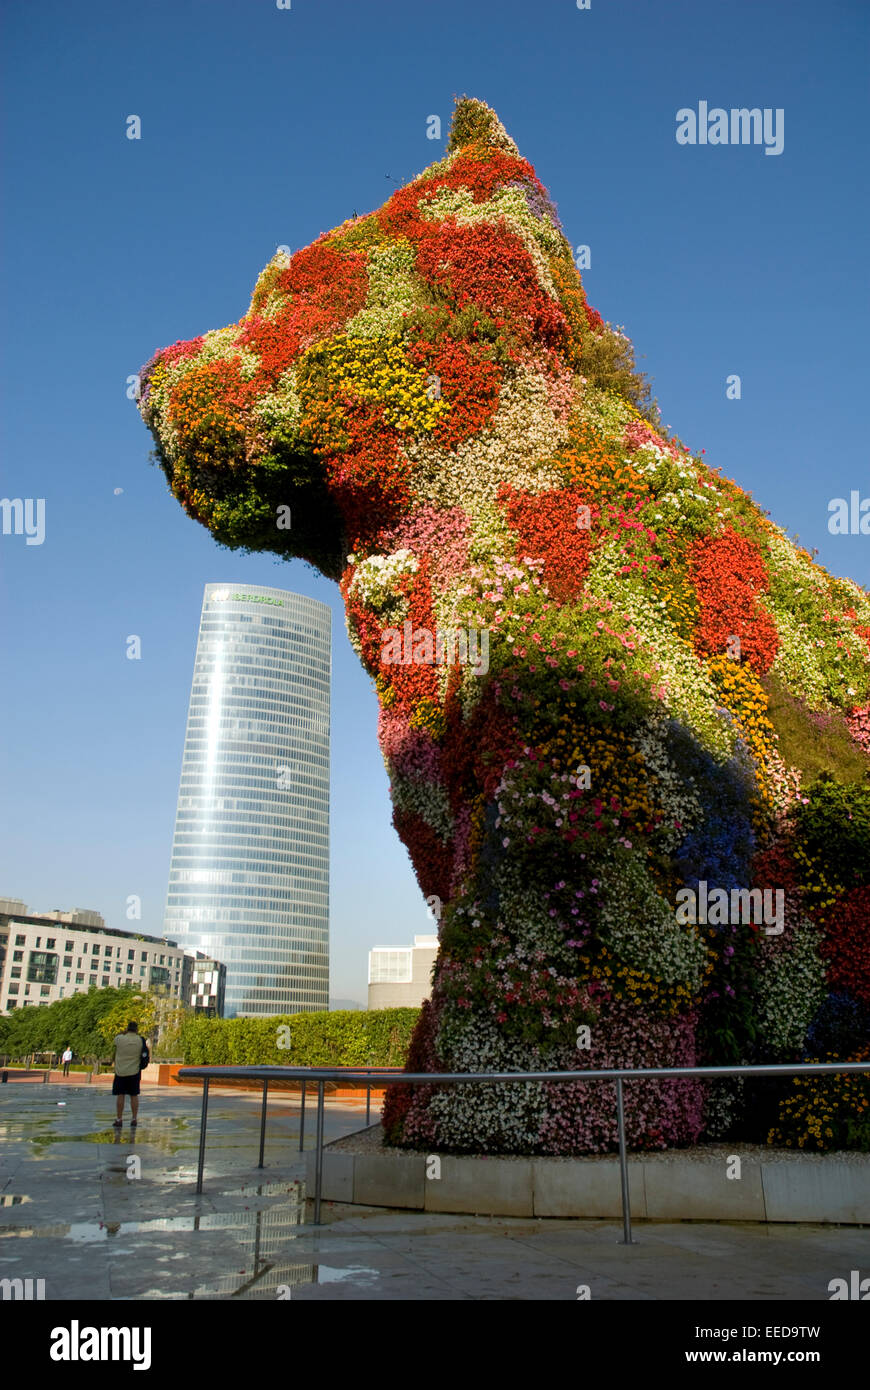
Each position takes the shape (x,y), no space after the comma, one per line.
(49,956)
(401,976)
(207,986)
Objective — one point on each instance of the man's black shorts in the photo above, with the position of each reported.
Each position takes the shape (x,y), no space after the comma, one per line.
(126,1085)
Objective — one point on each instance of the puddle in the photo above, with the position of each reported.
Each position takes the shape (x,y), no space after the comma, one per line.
(11,1129)
(143,1135)
(264,1189)
(326,1274)
(10,1199)
(274,1281)
(264,1224)
(254,1251)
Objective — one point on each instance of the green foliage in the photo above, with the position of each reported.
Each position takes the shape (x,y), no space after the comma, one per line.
(137,1006)
(811,744)
(242,509)
(822,1113)
(470,323)
(76,1020)
(833,829)
(344,1038)
(728,1028)
(563,631)
(169,1016)
(357,234)
(608,363)
(472,123)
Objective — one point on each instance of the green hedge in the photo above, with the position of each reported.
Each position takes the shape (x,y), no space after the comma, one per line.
(346,1038)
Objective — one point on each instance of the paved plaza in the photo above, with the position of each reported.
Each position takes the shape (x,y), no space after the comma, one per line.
(100,1215)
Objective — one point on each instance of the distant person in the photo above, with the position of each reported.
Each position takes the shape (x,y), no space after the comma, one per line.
(131,1055)
(66,1059)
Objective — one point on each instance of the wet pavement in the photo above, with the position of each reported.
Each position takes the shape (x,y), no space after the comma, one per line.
(102,1214)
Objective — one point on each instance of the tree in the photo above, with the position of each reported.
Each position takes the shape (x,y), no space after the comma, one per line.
(76,1021)
(129,1004)
(170,1014)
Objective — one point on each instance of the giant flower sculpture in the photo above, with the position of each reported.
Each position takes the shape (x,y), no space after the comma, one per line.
(583,641)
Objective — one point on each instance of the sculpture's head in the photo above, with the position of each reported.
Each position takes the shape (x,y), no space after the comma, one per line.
(370,364)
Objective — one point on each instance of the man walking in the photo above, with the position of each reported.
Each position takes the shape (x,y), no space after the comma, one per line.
(131,1055)
(66,1059)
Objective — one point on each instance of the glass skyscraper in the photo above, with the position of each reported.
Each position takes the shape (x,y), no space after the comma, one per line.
(249,876)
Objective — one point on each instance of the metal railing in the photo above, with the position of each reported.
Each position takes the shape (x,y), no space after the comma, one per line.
(19,1073)
(322,1076)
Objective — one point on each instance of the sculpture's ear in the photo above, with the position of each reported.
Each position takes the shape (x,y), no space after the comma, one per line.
(475,123)
(228,418)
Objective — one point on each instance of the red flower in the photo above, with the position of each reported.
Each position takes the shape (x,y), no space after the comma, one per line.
(728,572)
(489,266)
(846,944)
(546,523)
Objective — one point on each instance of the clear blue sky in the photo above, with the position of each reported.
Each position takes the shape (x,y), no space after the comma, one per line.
(261,127)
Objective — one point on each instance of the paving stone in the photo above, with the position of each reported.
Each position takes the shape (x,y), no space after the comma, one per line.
(95,1235)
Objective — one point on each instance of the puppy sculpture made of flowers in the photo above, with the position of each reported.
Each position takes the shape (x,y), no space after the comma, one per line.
(580,636)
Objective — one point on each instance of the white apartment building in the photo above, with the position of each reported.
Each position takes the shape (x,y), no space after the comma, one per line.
(401,976)
(51,956)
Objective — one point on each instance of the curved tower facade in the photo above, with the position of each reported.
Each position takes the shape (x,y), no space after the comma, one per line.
(249,875)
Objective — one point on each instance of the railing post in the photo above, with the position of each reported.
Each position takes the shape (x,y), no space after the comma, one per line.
(263,1123)
(318,1156)
(302,1121)
(202,1122)
(369,1103)
(623,1167)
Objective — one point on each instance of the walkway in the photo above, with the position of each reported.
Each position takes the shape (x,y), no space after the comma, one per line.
(72,1216)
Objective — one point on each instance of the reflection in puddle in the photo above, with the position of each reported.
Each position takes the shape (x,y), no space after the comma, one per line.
(264,1189)
(10,1129)
(326,1274)
(259,1238)
(265,1225)
(278,1281)
(264,1253)
(145,1135)
(255,1256)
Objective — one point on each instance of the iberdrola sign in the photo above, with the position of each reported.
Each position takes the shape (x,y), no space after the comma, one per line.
(248,598)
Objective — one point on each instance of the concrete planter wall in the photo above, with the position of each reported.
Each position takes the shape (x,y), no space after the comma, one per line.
(677,1186)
